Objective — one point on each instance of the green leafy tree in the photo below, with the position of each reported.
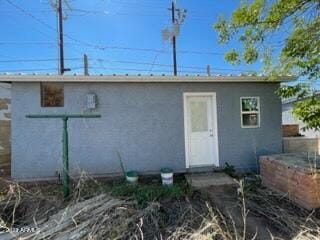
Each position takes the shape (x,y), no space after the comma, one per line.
(285,36)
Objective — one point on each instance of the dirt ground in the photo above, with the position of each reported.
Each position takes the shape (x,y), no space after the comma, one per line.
(115,210)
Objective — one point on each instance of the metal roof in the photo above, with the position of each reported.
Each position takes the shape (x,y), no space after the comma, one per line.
(139,78)
(295,99)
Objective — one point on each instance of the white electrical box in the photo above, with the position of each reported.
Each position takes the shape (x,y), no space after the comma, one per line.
(91,101)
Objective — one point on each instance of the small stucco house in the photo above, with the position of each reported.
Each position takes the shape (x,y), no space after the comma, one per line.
(289,119)
(150,122)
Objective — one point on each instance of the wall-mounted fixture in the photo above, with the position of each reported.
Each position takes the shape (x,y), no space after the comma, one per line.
(91,101)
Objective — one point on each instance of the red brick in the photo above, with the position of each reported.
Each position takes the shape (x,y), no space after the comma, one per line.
(290,130)
(301,186)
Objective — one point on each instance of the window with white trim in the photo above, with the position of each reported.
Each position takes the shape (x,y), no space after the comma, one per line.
(250,112)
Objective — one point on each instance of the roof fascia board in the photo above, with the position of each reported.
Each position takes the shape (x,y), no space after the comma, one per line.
(119,78)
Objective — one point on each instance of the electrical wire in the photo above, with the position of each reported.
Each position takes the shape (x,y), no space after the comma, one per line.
(83,12)
(35,60)
(137,4)
(125,62)
(143,70)
(170,65)
(102,47)
(28,43)
(33,70)
(105,68)
(30,15)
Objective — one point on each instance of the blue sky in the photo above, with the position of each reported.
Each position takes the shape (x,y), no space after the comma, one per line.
(114,33)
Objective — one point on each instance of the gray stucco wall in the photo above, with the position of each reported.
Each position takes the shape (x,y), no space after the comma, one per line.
(142,121)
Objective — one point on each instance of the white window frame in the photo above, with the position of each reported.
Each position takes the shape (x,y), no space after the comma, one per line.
(250,112)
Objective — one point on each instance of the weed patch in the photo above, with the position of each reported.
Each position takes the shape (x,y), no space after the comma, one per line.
(148,193)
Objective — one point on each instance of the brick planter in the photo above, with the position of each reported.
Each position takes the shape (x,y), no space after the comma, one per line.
(294,175)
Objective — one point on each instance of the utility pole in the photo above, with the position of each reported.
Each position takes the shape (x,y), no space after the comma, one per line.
(177,18)
(85,65)
(60,38)
(208,70)
(173,10)
(62,69)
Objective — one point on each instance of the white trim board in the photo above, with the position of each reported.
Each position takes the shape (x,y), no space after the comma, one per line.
(214,127)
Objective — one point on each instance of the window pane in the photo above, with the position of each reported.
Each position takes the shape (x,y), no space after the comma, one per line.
(52,95)
(199,118)
(250,120)
(249,104)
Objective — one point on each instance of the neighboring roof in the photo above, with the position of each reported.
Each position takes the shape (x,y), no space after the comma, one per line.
(139,78)
(295,99)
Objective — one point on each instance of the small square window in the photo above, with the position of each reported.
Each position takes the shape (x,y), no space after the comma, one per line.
(52,95)
(250,112)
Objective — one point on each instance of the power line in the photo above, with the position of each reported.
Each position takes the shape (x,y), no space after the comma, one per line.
(35,69)
(30,15)
(38,20)
(106,13)
(34,60)
(146,63)
(125,62)
(168,65)
(143,70)
(153,6)
(33,17)
(157,6)
(103,47)
(34,11)
(137,4)
(198,16)
(189,67)
(83,12)
(105,68)
(28,43)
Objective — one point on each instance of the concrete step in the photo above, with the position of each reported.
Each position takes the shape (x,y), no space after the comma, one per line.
(204,180)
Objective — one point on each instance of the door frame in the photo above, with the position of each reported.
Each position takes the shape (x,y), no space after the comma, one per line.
(214,127)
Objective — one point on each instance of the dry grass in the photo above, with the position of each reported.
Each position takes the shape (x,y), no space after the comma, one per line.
(91,214)
(291,220)
(94,214)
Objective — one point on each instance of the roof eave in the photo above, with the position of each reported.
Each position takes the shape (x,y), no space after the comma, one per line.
(129,78)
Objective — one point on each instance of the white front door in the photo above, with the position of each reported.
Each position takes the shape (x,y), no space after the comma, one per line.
(201,133)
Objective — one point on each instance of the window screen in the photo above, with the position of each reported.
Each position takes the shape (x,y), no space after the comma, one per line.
(52,95)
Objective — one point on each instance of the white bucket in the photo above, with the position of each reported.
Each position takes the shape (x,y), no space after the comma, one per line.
(132,179)
(167,178)
(132,176)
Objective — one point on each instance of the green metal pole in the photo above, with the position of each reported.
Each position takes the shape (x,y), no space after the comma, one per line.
(65,156)
(65,152)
